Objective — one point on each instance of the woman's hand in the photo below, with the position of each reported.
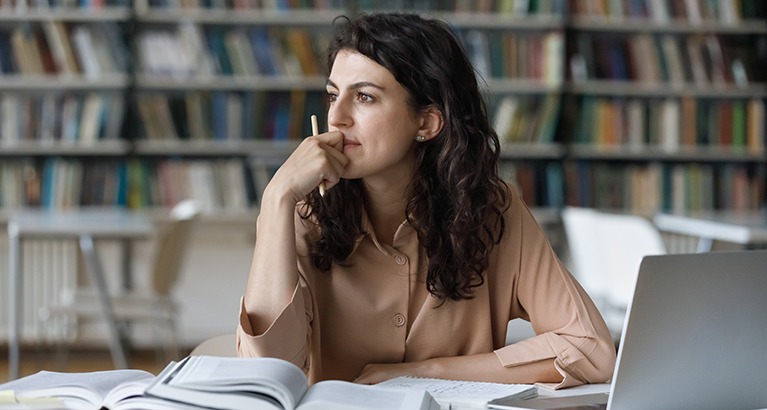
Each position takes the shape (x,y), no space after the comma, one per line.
(318,158)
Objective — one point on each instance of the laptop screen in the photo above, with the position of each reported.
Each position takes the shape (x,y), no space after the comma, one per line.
(695,334)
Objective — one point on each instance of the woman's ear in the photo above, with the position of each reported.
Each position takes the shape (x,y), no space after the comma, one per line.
(432,122)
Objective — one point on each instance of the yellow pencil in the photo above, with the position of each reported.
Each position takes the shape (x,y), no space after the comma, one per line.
(316,131)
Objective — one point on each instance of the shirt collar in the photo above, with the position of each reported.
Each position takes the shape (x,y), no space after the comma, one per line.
(403,232)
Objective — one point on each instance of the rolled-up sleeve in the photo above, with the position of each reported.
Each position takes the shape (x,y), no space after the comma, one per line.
(578,361)
(568,326)
(285,338)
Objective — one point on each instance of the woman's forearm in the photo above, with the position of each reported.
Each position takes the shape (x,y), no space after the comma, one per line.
(273,272)
(479,367)
(487,367)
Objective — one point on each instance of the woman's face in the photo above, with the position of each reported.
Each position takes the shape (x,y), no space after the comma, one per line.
(370,108)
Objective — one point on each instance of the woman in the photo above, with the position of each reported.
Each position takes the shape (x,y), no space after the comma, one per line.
(418,254)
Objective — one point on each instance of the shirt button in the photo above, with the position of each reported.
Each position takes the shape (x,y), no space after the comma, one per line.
(399,320)
(401,260)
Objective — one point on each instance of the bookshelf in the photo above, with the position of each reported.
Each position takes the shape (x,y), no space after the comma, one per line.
(63,77)
(666,101)
(519,56)
(637,105)
(222,88)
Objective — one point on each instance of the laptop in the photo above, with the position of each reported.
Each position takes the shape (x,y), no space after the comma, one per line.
(695,337)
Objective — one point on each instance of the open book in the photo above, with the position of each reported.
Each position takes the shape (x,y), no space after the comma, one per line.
(111,389)
(267,383)
(458,394)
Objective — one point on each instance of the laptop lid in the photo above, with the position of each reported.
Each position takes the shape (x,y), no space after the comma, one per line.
(695,335)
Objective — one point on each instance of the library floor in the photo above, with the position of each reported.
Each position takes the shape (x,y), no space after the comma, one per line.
(81,360)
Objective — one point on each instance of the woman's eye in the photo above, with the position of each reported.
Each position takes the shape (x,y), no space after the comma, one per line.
(332,97)
(366,98)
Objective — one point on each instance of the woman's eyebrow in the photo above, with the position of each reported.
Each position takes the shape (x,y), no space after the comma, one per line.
(356,85)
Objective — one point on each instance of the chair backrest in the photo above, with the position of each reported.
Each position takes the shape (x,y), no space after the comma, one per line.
(172,244)
(629,238)
(223,345)
(586,250)
(606,250)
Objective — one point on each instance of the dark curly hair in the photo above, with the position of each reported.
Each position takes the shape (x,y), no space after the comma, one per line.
(456,198)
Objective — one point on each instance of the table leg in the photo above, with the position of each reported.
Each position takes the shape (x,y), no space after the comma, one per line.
(14,298)
(126,265)
(96,276)
(127,283)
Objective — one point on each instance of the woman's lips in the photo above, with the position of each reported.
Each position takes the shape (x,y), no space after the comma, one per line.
(350,143)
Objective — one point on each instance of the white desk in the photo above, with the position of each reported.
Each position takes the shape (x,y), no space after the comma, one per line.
(85,226)
(745,228)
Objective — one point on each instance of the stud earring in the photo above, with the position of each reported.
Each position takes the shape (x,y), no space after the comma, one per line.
(420,138)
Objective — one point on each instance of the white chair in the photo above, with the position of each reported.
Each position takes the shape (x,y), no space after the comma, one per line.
(605,251)
(154,305)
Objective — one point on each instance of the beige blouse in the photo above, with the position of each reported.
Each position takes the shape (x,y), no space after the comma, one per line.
(377,310)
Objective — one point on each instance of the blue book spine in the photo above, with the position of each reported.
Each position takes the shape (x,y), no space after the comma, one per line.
(7,64)
(554,185)
(219,115)
(584,176)
(49,186)
(216,44)
(282,117)
(121,198)
(248,117)
(259,40)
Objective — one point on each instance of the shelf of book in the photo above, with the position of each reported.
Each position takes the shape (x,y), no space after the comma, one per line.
(539,21)
(262,148)
(517,86)
(646,187)
(114,148)
(663,89)
(665,101)
(703,60)
(543,151)
(248,16)
(217,184)
(657,153)
(70,14)
(726,12)
(62,83)
(676,26)
(230,83)
(221,36)
(581,81)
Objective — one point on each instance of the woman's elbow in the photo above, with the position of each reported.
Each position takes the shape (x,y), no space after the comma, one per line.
(603,361)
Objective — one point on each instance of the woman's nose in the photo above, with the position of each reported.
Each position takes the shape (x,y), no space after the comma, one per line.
(338,114)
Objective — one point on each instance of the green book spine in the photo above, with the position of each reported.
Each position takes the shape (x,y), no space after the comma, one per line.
(739,125)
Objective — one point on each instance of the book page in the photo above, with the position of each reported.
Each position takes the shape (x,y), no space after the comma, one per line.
(125,392)
(274,377)
(77,390)
(130,396)
(340,395)
(457,392)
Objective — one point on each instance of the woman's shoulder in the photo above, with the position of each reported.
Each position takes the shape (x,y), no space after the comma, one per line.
(511,189)
(512,199)
(516,212)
